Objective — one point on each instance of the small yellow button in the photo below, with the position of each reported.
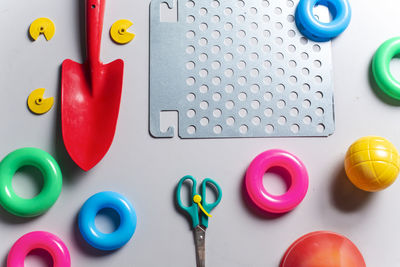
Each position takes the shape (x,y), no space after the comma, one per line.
(42,26)
(119,31)
(197,199)
(37,104)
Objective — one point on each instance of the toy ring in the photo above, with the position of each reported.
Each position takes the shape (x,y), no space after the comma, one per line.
(298,181)
(42,240)
(319,31)
(52,182)
(381,67)
(119,237)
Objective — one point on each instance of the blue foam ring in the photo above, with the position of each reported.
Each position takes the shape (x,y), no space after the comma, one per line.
(319,31)
(88,212)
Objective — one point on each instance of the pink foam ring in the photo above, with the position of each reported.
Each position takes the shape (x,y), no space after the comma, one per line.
(39,240)
(298,181)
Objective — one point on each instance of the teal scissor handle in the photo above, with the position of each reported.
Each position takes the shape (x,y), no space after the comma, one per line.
(209,206)
(193,209)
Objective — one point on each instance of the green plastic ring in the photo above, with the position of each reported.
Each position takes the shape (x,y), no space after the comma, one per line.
(381,67)
(52,182)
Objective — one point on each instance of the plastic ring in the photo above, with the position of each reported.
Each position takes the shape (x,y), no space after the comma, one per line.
(52,182)
(121,235)
(381,67)
(319,31)
(42,240)
(298,181)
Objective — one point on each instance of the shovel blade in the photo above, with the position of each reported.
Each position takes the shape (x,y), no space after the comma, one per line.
(90,99)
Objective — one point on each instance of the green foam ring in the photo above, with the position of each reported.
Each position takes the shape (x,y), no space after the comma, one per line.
(52,182)
(381,67)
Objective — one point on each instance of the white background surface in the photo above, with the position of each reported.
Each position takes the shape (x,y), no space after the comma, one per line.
(146,170)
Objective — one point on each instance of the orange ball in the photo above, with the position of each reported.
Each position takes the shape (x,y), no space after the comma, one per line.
(322,249)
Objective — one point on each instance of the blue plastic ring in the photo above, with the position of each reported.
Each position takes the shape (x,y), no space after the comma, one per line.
(88,212)
(319,31)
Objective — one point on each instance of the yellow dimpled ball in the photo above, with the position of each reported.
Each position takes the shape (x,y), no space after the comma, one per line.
(372,163)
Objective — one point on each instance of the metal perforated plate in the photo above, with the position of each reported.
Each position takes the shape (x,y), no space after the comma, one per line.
(238,68)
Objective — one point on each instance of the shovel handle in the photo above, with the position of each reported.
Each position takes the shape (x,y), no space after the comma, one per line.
(94,27)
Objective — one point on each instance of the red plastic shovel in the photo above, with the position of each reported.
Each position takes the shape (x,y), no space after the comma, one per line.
(90,96)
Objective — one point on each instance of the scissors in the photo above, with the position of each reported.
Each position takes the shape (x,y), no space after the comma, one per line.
(199,207)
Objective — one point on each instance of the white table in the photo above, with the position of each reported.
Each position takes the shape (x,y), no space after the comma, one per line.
(146,170)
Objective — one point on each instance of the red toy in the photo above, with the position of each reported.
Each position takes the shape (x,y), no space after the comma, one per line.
(90,96)
(322,248)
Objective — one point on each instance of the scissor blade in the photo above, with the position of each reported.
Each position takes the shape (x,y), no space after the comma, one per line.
(200,243)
